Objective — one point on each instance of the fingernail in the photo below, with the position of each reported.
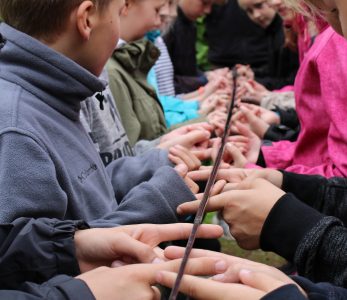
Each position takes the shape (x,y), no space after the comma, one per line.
(159,277)
(179,210)
(219,277)
(157,261)
(221,266)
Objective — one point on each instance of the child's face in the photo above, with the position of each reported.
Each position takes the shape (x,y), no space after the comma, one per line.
(167,14)
(285,13)
(104,36)
(259,11)
(141,17)
(194,9)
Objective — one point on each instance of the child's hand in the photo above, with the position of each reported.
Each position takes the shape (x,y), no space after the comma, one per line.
(244,279)
(252,145)
(244,209)
(250,119)
(268,116)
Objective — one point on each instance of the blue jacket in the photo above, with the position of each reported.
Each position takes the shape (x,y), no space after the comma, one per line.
(49,166)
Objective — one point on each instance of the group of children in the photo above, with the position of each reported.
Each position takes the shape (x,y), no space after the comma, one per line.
(106,121)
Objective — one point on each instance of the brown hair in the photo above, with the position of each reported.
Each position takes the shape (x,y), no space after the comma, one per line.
(41,18)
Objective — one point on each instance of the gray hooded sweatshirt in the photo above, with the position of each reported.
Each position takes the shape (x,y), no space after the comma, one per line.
(49,166)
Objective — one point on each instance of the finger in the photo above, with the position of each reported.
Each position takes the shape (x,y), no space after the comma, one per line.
(194,287)
(156,293)
(218,187)
(187,158)
(195,137)
(195,266)
(215,203)
(192,185)
(203,154)
(239,159)
(175,160)
(125,245)
(260,281)
(182,170)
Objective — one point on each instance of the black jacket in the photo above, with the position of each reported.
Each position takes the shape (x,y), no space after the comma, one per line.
(311,231)
(233,38)
(180,42)
(283,63)
(32,255)
(318,291)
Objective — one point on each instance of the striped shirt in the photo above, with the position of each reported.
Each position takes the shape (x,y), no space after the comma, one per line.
(164,70)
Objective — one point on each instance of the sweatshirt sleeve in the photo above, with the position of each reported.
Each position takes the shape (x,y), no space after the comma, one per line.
(328,196)
(154,201)
(36,250)
(58,288)
(128,172)
(303,235)
(23,161)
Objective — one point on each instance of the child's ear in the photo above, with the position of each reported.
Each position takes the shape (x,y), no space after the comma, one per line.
(128,4)
(86,15)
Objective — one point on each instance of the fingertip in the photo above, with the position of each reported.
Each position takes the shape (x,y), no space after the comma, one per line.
(179,210)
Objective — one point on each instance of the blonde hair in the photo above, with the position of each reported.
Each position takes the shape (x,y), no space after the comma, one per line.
(304,7)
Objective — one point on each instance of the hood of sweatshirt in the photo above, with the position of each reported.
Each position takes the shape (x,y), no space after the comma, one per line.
(138,56)
(60,82)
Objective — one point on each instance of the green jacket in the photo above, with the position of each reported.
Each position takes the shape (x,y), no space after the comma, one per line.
(139,107)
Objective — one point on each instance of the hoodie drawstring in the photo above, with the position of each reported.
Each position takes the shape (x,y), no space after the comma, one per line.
(101,99)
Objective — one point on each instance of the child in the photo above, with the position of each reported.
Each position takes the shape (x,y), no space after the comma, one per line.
(320,105)
(180,41)
(140,109)
(49,166)
(283,62)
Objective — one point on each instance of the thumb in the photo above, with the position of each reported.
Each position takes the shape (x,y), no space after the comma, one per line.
(135,250)
(260,281)
(239,160)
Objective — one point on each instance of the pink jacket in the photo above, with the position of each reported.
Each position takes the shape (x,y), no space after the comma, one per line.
(321,103)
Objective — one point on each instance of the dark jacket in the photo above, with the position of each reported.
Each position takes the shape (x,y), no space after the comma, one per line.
(180,42)
(32,255)
(233,38)
(283,63)
(314,291)
(311,231)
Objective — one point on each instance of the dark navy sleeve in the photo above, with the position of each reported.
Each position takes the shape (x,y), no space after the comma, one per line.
(37,250)
(58,288)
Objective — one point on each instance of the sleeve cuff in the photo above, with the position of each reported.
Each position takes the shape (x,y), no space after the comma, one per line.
(288,292)
(65,248)
(288,222)
(64,287)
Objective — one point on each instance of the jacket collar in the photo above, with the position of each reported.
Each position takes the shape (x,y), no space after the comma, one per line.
(51,77)
(139,56)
